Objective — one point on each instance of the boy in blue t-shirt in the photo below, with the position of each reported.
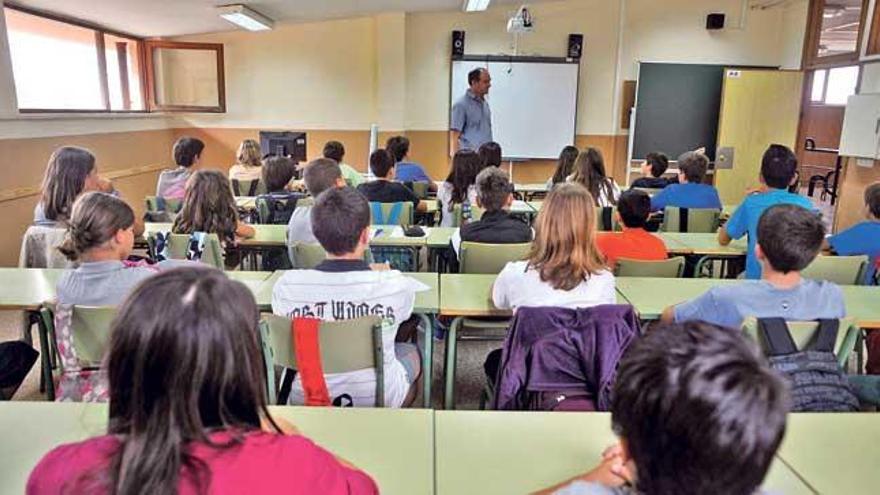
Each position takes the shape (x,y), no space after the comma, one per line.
(406,171)
(789,238)
(690,192)
(863,238)
(778,171)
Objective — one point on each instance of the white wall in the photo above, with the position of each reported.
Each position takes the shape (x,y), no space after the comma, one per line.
(794,24)
(870,78)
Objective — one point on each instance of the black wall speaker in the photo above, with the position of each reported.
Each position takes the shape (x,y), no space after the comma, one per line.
(457,44)
(575,45)
(715,22)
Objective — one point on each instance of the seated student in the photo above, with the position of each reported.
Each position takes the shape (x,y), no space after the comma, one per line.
(690,192)
(863,238)
(209,207)
(318,175)
(384,189)
(564,166)
(248,162)
(405,170)
(636,243)
(490,154)
(184,416)
(653,169)
(697,410)
(334,150)
(459,187)
(778,170)
(589,171)
(496,226)
(187,153)
(789,238)
(341,222)
(277,172)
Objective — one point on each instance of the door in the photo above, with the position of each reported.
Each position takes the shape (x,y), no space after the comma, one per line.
(759,107)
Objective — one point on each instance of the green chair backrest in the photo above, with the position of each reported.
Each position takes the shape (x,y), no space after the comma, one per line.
(842,270)
(171,205)
(607,220)
(690,220)
(803,332)
(247,187)
(670,268)
(90,327)
(346,345)
(476,257)
(178,246)
(387,211)
(419,188)
(307,256)
(476,214)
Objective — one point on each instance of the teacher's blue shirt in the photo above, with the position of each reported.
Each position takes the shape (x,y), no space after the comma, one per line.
(472,118)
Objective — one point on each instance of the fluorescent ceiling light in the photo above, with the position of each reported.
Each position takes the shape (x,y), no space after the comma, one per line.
(244,17)
(475,5)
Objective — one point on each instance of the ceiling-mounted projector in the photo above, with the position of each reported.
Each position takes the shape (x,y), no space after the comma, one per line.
(521,22)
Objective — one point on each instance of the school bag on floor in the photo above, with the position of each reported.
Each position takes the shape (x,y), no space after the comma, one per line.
(817,382)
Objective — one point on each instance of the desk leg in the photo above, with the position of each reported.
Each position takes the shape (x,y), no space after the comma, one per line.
(449,371)
(427,360)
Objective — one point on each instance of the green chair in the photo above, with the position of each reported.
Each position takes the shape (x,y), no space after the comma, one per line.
(247,187)
(802,332)
(307,256)
(690,220)
(419,188)
(178,248)
(842,270)
(345,346)
(90,338)
(391,213)
(670,268)
(608,221)
(155,203)
(477,257)
(476,214)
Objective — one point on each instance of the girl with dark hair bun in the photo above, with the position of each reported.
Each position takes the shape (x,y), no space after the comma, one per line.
(188,405)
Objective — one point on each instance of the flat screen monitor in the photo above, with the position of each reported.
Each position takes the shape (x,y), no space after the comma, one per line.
(292,144)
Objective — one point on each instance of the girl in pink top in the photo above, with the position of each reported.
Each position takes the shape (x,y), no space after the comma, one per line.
(188,405)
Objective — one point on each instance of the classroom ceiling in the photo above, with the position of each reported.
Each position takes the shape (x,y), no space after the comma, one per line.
(179,17)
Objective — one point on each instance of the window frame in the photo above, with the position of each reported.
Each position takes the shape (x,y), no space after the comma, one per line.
(100,54)
(811,57)
(873,46)
(148,72)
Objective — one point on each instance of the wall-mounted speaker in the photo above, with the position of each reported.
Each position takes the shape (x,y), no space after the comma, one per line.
(575,45)
(457,44)
(715,22)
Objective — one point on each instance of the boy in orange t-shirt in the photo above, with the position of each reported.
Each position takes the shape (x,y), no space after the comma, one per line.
(634,242)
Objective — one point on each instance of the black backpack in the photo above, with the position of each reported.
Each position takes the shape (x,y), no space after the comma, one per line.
(279,207)
(817,382)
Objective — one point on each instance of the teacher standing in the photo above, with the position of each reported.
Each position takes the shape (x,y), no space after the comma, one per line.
(471,123)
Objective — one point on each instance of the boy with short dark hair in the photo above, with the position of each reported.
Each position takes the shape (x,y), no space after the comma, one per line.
(187,153)
(789,238)
(778,171)
(345,287)
(334,150)
(653,169)
(497,225)
(405,170)
(384,189)
(636,243)
(690,192)
(697,410)
(318,175)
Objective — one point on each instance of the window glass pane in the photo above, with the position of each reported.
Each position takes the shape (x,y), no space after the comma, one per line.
(818,86)
(186,77)
(841,84)
(123,73)
(840,27)
(55,65)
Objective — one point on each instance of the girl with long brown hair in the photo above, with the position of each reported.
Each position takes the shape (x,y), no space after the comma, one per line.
(188,405)
(209,207)
(564,166)
(459,187)
(589,171)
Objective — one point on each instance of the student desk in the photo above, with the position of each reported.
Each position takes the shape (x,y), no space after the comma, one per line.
(427,304)
(834,453)
(702,244)
(395,446)
(520,452)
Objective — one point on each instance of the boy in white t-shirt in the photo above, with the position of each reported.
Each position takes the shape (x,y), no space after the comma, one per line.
(345,287)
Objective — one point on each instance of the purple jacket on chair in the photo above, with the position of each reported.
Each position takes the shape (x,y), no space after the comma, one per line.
(557,349)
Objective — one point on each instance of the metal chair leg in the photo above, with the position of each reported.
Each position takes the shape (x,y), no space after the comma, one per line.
(427,360)
(449,369)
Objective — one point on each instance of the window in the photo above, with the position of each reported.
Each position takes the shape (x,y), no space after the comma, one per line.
(834,31)
(185,76)
(834,86)
(62,66)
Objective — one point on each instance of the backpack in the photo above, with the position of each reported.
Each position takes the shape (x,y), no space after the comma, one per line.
(817,382)
(278,207)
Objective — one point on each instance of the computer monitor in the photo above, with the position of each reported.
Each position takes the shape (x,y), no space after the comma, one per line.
(292,144)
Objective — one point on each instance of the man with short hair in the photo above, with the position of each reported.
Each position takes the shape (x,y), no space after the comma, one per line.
(471,122)
(634,243)
(690,192)
(318,175)
(345,287)
(789,238)
(497,225)
(335,151)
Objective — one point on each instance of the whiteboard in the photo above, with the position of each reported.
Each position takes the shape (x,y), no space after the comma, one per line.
(861,125)
(533,104)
